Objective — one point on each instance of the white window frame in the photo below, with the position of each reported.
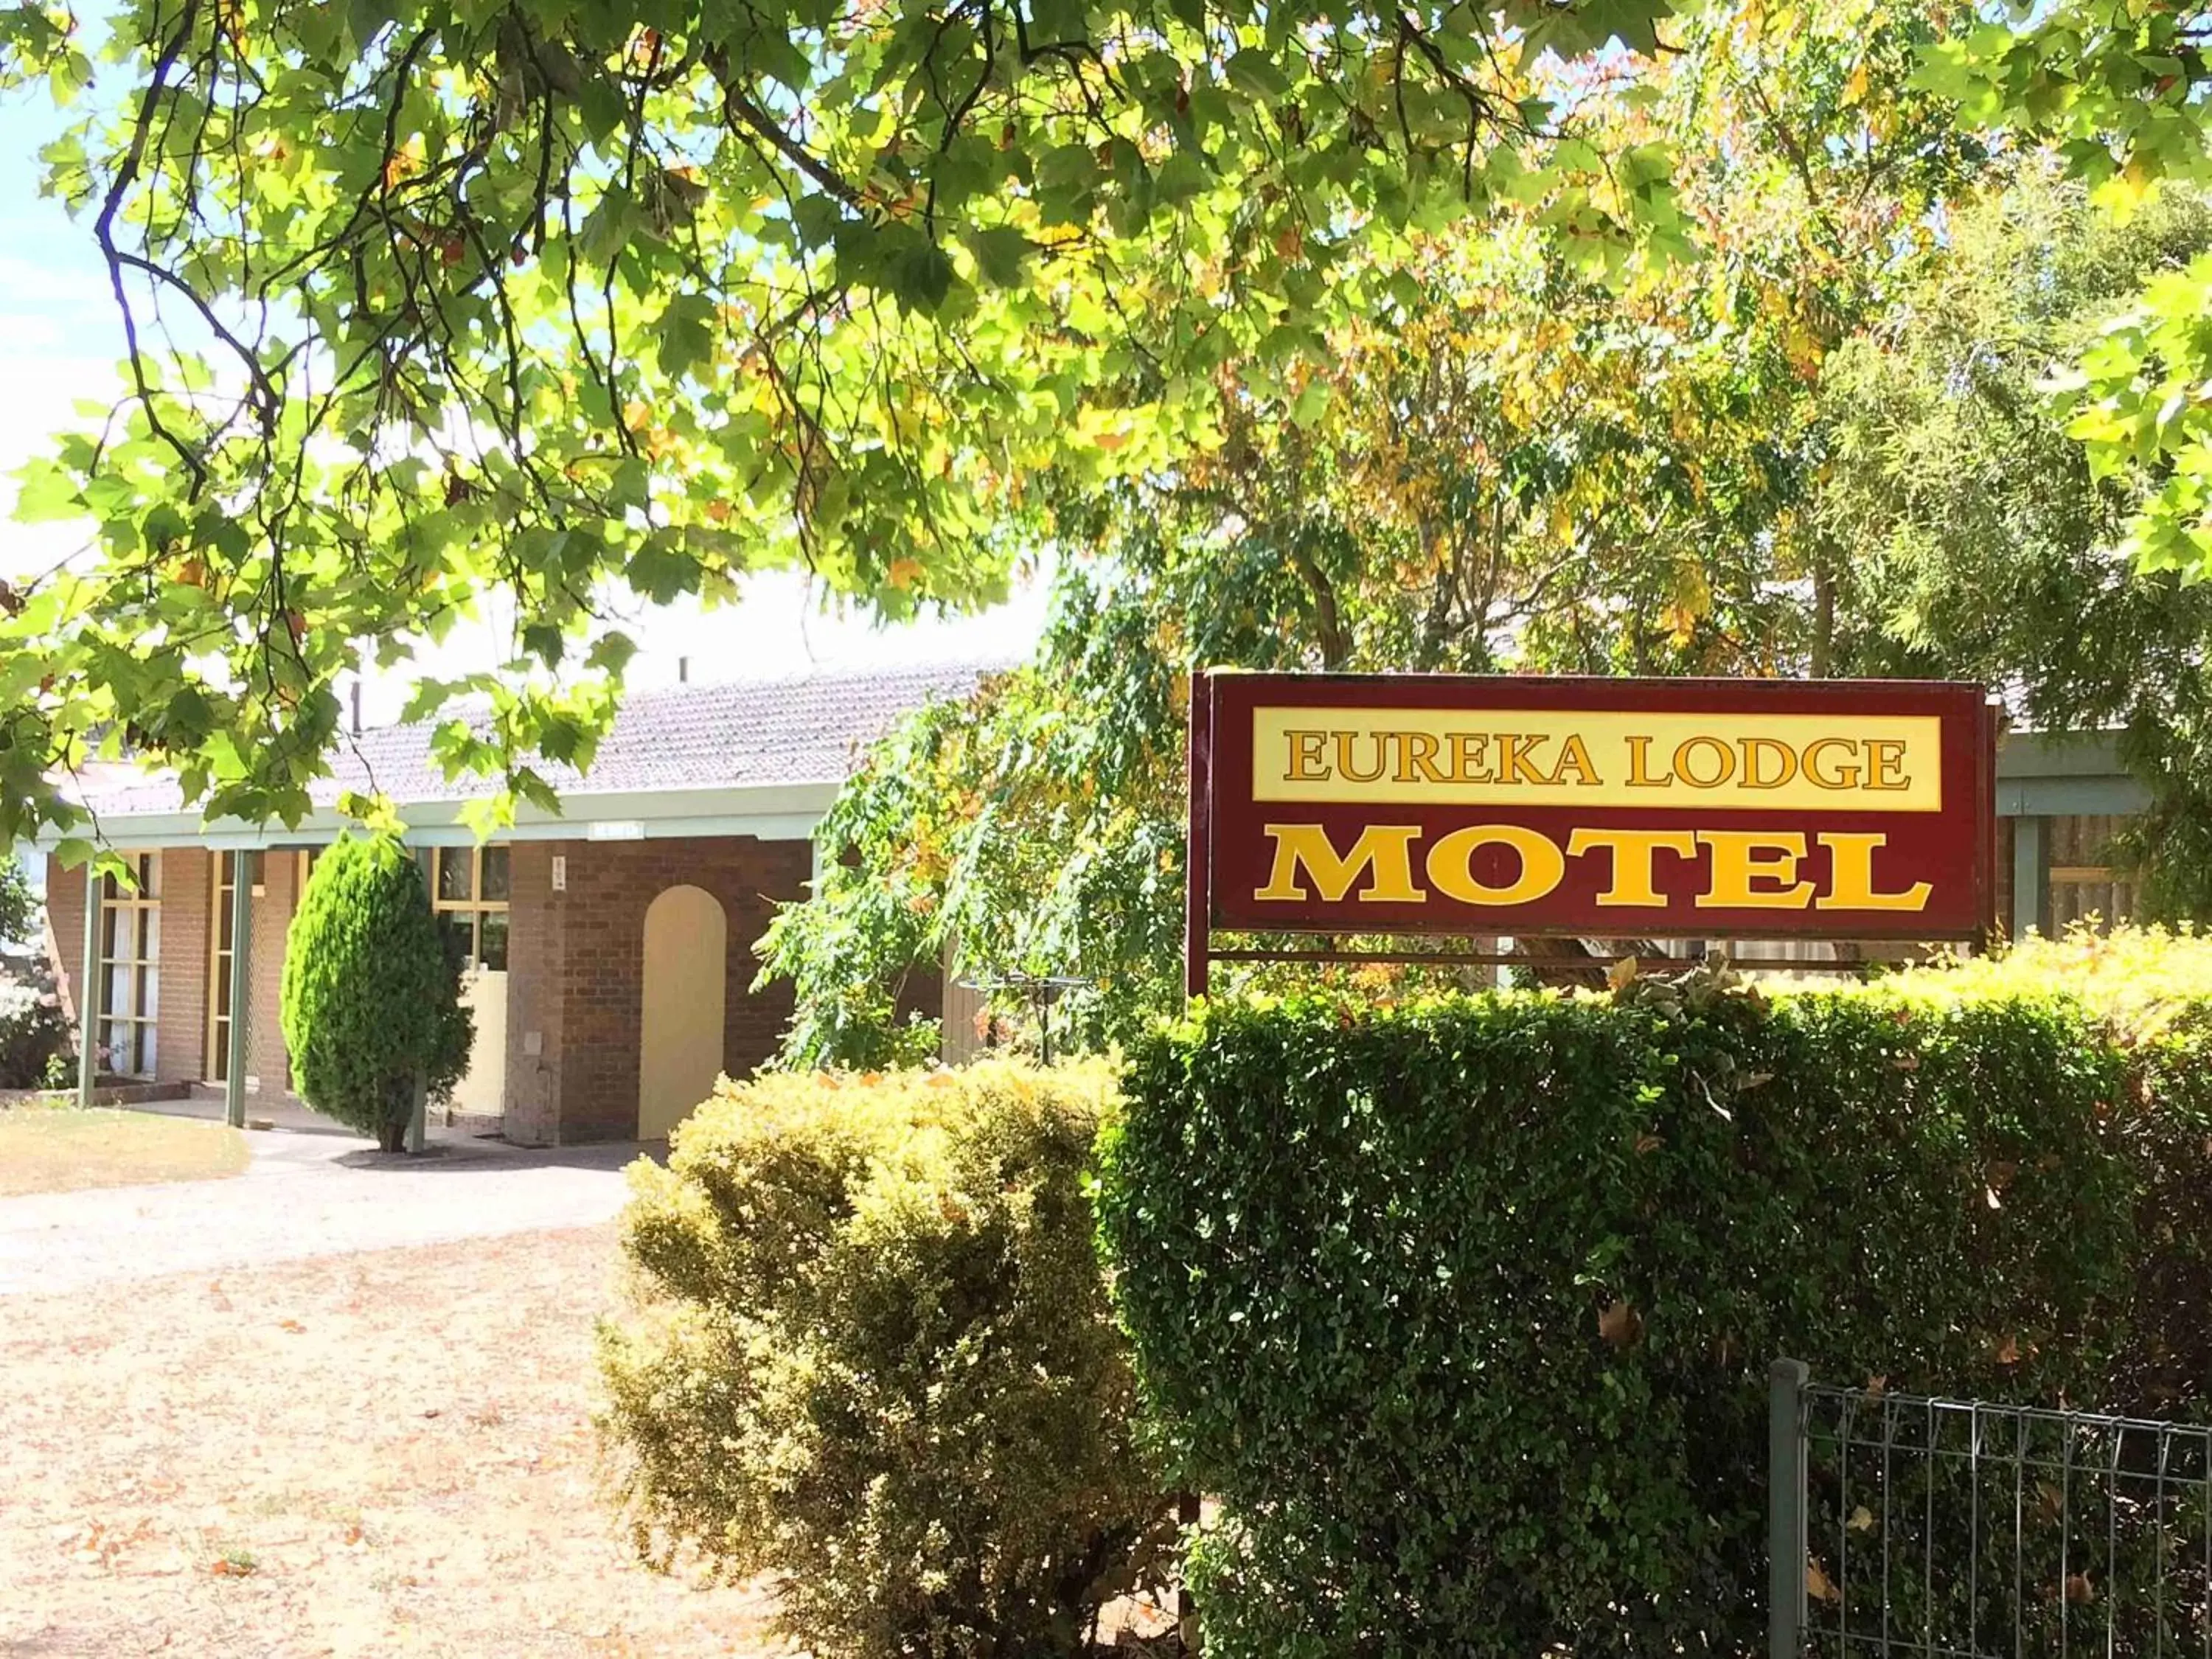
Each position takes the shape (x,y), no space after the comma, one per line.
(475,907)
(128,1036)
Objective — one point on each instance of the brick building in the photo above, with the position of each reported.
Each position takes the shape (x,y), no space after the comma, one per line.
(610,947)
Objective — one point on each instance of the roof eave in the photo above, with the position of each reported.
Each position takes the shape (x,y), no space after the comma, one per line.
(779,811)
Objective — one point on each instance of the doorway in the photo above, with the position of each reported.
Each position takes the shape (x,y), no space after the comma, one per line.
(680,1032)
(469,891)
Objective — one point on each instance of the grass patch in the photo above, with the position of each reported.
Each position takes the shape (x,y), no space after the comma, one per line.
(59,1148)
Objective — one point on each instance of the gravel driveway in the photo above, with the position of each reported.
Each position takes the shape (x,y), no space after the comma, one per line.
(304,1194)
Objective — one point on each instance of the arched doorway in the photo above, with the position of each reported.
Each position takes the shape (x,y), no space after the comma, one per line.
(680,1033)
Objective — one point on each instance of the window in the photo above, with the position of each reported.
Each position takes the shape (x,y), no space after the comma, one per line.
(130,966)
(468,890)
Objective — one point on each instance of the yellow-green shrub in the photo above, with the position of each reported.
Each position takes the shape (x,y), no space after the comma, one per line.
(872,1355)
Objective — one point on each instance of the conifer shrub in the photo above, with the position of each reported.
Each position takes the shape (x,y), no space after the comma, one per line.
(869,1354)
(1463,1308)
(370,1001)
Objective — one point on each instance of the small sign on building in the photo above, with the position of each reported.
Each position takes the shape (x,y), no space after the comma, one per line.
(1481,805)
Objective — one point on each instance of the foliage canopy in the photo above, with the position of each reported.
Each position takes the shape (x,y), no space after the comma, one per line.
(1821,450)
(435,310)
(2119,90)
(429,303)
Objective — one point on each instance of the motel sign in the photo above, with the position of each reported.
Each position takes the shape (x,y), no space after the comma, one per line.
(1449,804)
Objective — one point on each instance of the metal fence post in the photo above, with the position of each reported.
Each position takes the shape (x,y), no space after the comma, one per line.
(1786,1510)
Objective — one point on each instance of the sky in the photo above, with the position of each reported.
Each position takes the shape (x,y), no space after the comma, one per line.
(61,338)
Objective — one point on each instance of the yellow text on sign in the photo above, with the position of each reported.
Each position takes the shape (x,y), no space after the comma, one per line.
(1602,757)
(1748,869)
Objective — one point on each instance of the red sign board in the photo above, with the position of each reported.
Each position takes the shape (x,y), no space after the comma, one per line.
(1469,805)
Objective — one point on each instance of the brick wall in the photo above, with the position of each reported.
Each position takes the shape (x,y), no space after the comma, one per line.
(65,931)
(266,1063)
(181,1022)
(575,970)
(537,936)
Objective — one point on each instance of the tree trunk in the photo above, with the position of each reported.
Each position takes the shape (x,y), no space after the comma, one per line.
(1824,618)
(1571,961)
(398,1114)
(1328,626)
(1565,960)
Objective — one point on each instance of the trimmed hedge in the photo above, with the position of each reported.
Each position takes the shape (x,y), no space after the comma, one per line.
(873,1356)
(1463,1308)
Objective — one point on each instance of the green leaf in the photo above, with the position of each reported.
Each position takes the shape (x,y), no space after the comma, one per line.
(687,334)
(608,227)
(1183,178)
(47,493)
(611,651)
(1257,74)
(545,642)
(921,276)
(1000,253)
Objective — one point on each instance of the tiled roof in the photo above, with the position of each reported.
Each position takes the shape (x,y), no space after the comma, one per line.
(745,734)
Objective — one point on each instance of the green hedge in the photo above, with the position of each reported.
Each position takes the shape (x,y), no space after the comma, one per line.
(873,1356)
(1463,1308)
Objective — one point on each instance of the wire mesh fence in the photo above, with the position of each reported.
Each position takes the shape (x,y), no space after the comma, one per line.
(1960,1529)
